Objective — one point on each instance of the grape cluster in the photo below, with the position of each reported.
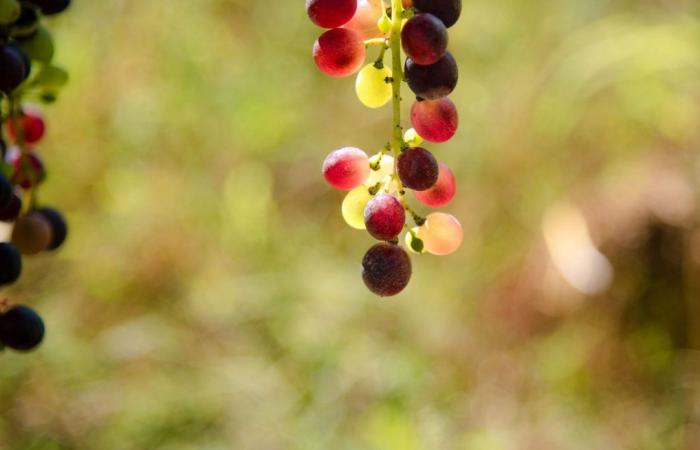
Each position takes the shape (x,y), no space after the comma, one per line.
(26,72)
(378,185)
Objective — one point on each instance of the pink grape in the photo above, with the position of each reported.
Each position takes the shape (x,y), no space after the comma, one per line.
(442,193)
(386,269)
(384,217)
(424,39)
(435,120)
(330,13)
(441,234)
(364,22)
(417,168)
(339,52)
(346,168)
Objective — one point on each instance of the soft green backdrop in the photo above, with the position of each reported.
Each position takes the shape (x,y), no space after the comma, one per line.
(209,296)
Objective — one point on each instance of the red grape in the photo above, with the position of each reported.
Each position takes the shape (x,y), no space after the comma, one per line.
(418,169)
(435,120)
(330,13)
(446,10)
(384,217)
(386,269)
(442,193)
(424,39)
(347,168)
(433,81)
(32,125)
(28,169)
(339,52)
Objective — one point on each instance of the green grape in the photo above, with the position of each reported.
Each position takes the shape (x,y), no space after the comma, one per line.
(353,208)
(39,47)
(384,23)
(413,244)
(386,168)
(372,87)
(9,11)
(412,138)
(51,77)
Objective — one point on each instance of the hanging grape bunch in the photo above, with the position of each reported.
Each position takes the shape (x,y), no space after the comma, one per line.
(378,185)
(26,73)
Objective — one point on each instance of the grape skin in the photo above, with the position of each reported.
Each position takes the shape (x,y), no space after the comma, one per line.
(442,193)
(384,217)
(331,13)
(339,52)
(435,120)
(424,39)
(434,81)
(346,168)
(386,269)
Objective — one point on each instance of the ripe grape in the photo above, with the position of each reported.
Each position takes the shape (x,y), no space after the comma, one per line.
(435,120)
(32,233)
(339,52)
(441,234)
(364,22)
(372,87)
(346,168)
(32,125)
(442,193)
(38,47)
(385,169)
(10,263)
(353,208)
(49,7)
(13,69)
(59,228)
(446,10)
(9,11)
(28,169)
(23,56)
(21,328)
(11,211)
(424,39)
(418,169)
(331,13)
(433,81)
(384,217)
(386,269)
(407,4)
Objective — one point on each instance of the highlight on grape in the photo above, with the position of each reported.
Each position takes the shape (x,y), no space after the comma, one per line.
(377,185)
(27,73)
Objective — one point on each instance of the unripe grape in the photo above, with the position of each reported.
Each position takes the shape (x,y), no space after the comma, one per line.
(49,7)
(339,52)
(39,47)
(13,69)
(59,227)
(32,125)
(413,244)
(442,192)
(385,169)
(353,207)
(412,138)
(21,328)
(435,120)
(364,22)
(386,269)
(11,211)
(448,11)
(372,87)
(331,13)
(346,168)
(32,234)
(433,81)
(417,168)
(9,11)
(424,39)
(10,263)
(28,169)
(442,234)
(384,217)
(51,77)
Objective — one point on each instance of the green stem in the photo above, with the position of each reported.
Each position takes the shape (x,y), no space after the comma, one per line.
(397,75)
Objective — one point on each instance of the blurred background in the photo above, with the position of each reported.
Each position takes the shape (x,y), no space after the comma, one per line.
(210,297)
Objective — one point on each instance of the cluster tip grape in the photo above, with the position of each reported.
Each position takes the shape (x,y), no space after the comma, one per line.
(26,72)
(377,185)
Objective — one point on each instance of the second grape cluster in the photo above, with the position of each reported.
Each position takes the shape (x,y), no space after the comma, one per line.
(378,185)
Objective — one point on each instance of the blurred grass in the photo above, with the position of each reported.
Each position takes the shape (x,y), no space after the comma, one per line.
(209,296)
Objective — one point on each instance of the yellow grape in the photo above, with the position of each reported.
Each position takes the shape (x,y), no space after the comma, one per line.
(386,168)
(353,207)
(441,234)
(412,138)
(371,86)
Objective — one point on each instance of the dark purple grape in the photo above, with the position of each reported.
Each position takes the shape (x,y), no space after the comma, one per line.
(418,169)
(10,263)
(59,228)
(27,24)
(386,269)
(49,7)
(23,56)
(434,81)
(13,69)
(384,217)
(21,328)
(10,212)
(6,191)
(446,10)
(424,39)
